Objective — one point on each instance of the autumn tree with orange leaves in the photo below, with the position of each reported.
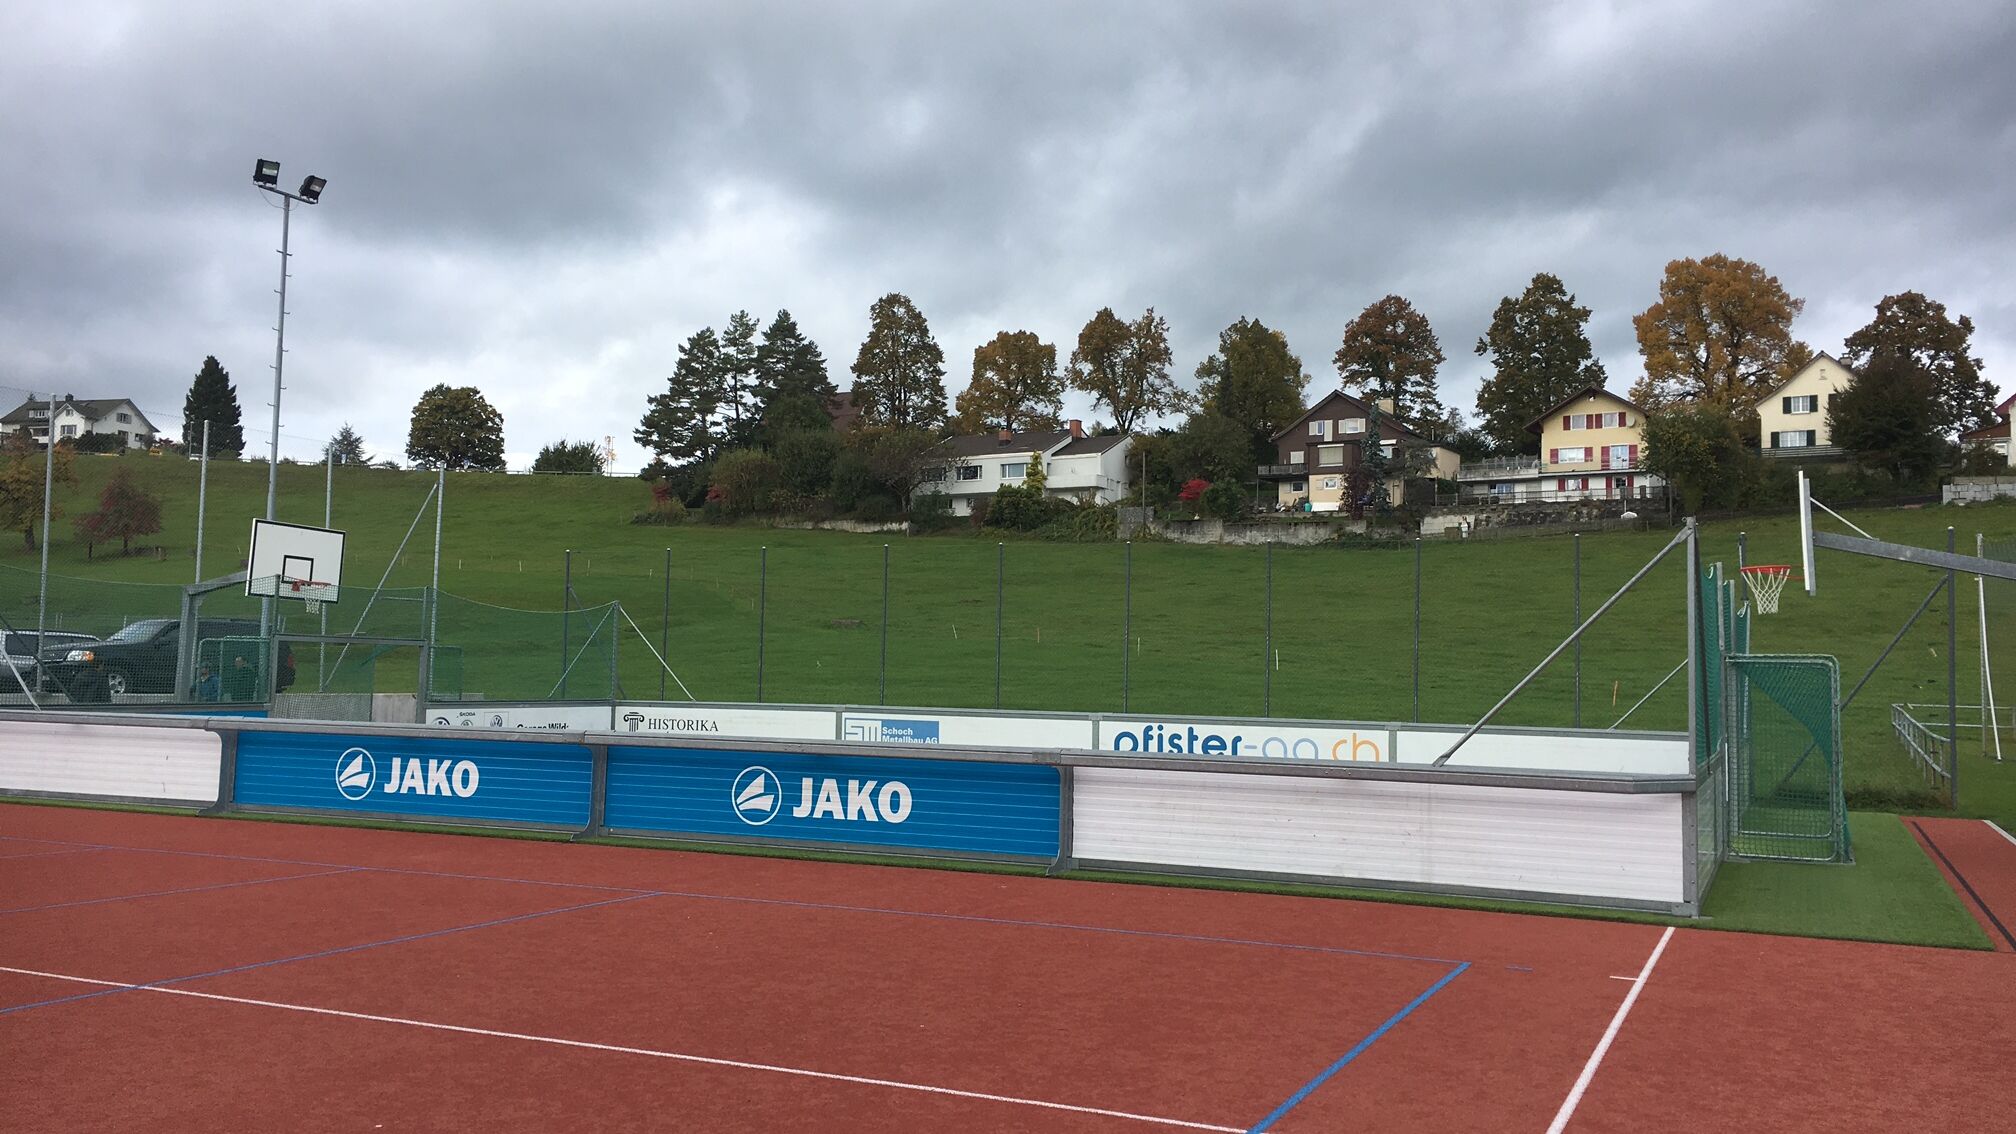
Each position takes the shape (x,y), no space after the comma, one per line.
(1721,334)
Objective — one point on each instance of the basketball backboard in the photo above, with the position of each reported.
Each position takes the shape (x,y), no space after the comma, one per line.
(293,561)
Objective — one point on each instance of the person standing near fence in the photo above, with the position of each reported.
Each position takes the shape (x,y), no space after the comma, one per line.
(208,687)
(240,682)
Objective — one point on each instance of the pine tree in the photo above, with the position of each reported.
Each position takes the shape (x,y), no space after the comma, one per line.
(1540,356)
(899,373)
(212,398)
(788,363)
(741,379)
(679,425)
(347,447)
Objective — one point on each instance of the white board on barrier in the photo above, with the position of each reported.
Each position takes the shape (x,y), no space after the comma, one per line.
(173,765)
(922,726)
(1229,737)
(710,720)
(576,718)
(1551,752)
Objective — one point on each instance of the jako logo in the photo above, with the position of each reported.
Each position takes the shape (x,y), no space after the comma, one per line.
(356,771)
(758,798)
(1180,740)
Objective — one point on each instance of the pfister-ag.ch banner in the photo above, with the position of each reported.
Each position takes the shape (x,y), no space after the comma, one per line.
(494,781)
(953,806)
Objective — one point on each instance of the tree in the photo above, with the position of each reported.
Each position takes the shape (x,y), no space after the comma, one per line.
(805,459)
(789,365)
(1125,367)
(347,447)
(124,510)
(895,458)
(1254,379)
(1721,332)
(744,481)
(1390,351)
(456,428)
(1211,447)
(1015,385)
(1540,356)
(1694,446)
(1919,328)
(565,457)
(679,423)
(22,466)
(899,373)
(740,378)
(1889,416)
(212,398)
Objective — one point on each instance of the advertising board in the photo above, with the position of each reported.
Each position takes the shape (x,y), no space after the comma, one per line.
(1229,737)
(557,717)
(725,720)
(923,726)
(450,777)
(954,806)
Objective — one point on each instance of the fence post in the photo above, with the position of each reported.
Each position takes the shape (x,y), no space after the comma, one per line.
(1267,643)
(665,623)
(1578,622)
(1417,629)
(1000,591)
(566,605)
(762,609)
(1127,619)
(1952,677)
(882,681)
(1742,551)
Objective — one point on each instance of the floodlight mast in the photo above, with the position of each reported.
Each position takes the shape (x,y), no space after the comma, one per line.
(1806,532)
(266,176)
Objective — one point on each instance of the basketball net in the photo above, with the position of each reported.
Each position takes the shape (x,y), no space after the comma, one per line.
(311,595)
(1766,584)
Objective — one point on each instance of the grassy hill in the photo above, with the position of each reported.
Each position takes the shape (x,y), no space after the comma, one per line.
(1342,619)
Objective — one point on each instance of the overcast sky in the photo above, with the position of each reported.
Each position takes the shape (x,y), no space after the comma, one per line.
(544,200)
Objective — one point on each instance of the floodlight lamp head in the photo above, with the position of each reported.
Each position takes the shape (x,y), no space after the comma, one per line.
(266,171)
(311,189)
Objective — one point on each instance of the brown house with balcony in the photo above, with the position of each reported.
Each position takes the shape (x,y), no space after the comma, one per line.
(1316,453)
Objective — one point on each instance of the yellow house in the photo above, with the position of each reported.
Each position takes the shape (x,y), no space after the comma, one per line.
(1792,418)
(1593,445)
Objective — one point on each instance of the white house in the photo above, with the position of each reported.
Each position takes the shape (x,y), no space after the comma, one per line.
(74,418)
(1075,466)
(1792,418)
(1996,436)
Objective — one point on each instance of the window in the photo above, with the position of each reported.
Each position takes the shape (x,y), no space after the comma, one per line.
(1330,456)
(1619,456)
(1297,457)
(1810,403)
(1299,486)
(125,419)
(935,475)
(1014,470)
(1594,421)
(1352,424)
(1571,484)
(969,472)
(1570,456)
(69,431)
(1330,482)
(38,413)
(1794,439)
(1319,429)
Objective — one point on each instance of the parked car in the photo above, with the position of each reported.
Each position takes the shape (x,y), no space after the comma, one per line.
(140,658)
(22,648)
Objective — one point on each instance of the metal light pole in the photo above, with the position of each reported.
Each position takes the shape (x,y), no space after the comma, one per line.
(266,175)
(48,495)
(202,497)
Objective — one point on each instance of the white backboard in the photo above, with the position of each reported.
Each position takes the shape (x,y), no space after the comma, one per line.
(285,554)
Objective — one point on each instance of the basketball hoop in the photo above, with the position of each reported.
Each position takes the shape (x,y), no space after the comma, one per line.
(1766,584)
(310,594)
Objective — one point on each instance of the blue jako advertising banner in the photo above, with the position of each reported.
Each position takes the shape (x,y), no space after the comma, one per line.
(473,780)
(972,807)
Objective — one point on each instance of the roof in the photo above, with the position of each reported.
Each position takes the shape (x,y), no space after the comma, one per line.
(841,408)
(93,409)
(1790,378)
(981,444)
(1585,392)
(1987,432)
(1084,445)
(1391,421)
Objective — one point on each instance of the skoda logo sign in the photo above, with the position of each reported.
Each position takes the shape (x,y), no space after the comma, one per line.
(756,796)
(356,771)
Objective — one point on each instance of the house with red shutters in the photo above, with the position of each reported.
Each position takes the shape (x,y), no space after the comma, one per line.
(1592,447)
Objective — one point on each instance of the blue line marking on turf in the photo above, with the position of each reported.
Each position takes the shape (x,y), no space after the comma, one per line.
(1357,1050)
(833,906)
(340,950)
(183,890)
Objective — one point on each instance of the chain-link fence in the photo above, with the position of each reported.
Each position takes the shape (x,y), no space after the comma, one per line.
(1785,787)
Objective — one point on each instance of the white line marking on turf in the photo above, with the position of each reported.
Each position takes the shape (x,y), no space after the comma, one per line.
(1998,830)
(1574,1098)
(621,1050)
(1623,978)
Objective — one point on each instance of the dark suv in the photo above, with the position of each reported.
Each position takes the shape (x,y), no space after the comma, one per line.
(140,658)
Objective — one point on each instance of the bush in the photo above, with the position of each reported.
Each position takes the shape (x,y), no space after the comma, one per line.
(1226,500)
(1084,523)
(877,508)
(1980,460)
(1023,509)
(745,481)
(983,506)
(931,512)
(96,443)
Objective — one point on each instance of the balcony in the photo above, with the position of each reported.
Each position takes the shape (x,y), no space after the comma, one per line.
(1501,468)
(1804,453)
(1283,472)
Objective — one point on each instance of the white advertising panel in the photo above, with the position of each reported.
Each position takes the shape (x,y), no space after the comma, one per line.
(176,765)
(922,726)
(710,720)
(1219,739)
(559,717)
(1619,752)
